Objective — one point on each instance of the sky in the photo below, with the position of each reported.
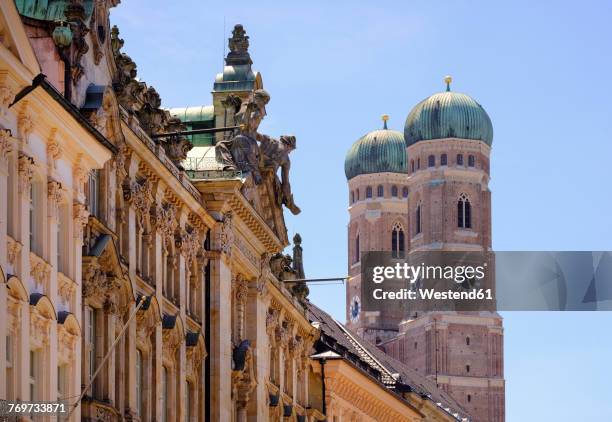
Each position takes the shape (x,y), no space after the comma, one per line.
(540,69)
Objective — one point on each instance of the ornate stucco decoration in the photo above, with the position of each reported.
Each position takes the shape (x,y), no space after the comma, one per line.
(6,145)
(13,251)
(39,328)
(146,322)
(239,47)
(244,381)
(144,101)
(240,287)
(123,153)
(264,273)
(80,218)
(101,286)
(98,27)
(190,246)
(79,175)
(163,219)
(195,356)
(6,97)
(39,270)
(25,124)
(171,339)
(67,343)
(55,194)
(65,288)
(75,15)
(54,150)
(141,197)
(94,280)
(25,168)
(226,234)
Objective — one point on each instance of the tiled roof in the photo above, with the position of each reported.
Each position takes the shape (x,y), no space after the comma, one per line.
(386,370)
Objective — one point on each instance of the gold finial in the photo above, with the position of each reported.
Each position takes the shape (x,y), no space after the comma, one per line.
(385,117)
(448,79)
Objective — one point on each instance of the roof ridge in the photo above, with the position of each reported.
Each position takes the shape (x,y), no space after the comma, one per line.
(390,378)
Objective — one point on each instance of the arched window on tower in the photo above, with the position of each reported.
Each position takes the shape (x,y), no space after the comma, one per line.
(431,161)
(405,192)
(369,192)
(380,191)
(352,197)
(357,194)
(471,161)
(443,160)
(464,212)
(357,251)
(412,166)
(459,159)
(394,191)
(397,241)
(418,219)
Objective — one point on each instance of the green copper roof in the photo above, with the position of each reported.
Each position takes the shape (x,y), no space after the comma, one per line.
(238,77)
(49,10)
(379,151)
(448,115)
(198,117)
(194,114)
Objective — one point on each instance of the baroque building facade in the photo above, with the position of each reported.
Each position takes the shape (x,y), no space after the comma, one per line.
(426,190)
(142,268)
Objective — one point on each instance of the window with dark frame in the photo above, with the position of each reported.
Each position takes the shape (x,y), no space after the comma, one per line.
(431,161)
(464,212)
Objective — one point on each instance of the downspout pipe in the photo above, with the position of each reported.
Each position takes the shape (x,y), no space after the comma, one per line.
(324,406)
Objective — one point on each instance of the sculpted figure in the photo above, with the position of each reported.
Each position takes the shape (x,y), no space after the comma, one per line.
(243,148)
(275,154)
(223,148)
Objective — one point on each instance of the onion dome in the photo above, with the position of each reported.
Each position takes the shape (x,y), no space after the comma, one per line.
(448,115)
(380,151)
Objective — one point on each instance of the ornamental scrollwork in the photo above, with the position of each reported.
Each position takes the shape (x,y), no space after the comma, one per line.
(25,168)
(80,218)
(226,235)
(6,146)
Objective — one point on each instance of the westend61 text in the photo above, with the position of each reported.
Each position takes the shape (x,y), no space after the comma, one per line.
(432,294)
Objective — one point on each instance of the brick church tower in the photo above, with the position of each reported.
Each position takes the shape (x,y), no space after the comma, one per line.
(443,203)
(375,167)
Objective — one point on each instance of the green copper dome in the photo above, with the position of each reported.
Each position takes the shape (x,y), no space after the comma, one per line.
(448,115)
(379,151)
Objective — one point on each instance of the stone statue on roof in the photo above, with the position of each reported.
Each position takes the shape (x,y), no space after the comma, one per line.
(239,47)
(275,155)
(241,152)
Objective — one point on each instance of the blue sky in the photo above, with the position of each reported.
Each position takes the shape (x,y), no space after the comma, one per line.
(542,72)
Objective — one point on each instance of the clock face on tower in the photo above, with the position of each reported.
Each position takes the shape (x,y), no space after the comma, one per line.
(355,308)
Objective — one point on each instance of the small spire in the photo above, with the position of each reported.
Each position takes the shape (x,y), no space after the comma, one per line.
(448,79)
(385,117)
